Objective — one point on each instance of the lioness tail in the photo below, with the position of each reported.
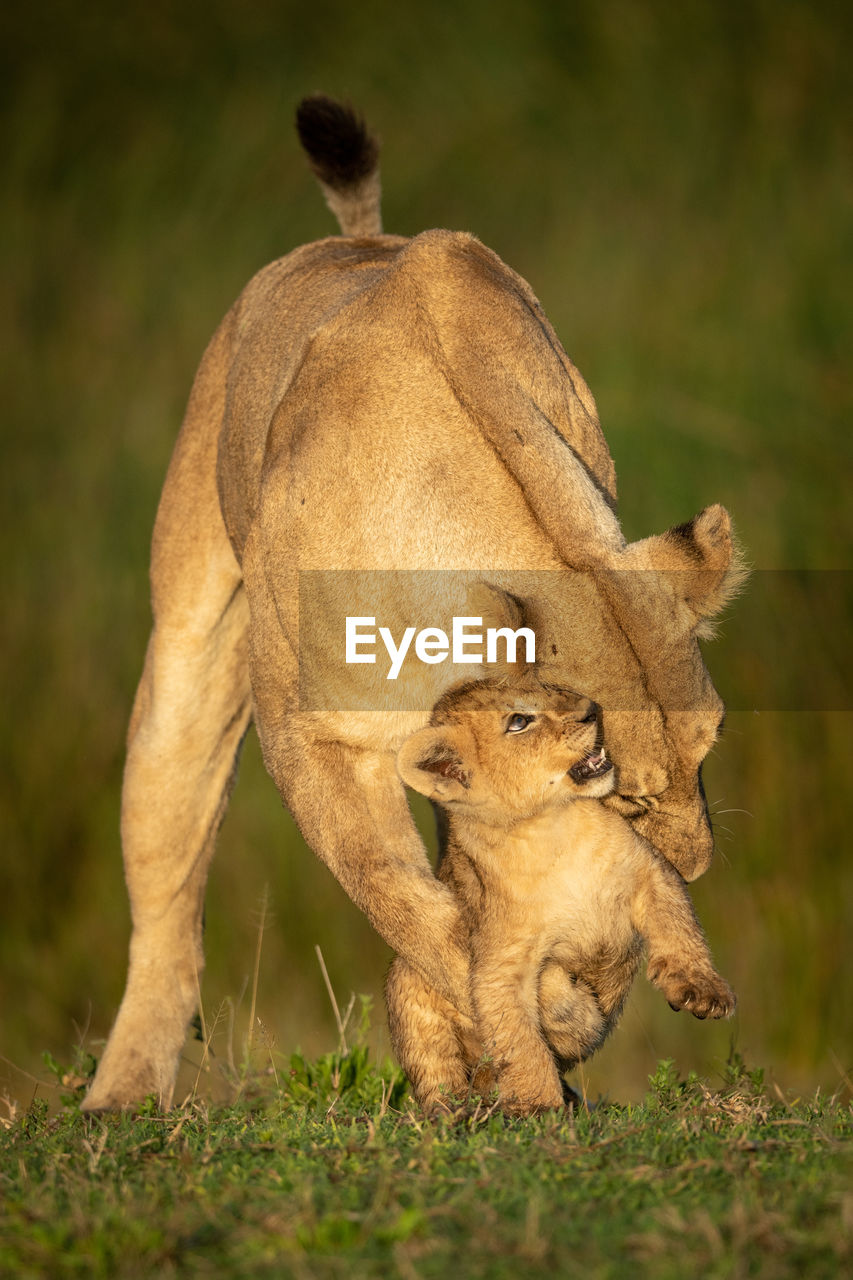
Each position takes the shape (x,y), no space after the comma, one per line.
(345,160)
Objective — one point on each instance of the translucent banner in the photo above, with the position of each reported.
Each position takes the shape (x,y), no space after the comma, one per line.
(390,640)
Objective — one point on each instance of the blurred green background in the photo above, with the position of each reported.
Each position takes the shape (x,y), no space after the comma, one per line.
(675,183)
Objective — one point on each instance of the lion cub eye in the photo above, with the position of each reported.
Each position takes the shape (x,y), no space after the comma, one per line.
(518,723)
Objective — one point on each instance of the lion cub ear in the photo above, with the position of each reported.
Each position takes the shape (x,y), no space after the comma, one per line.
(707,565)
(430,761)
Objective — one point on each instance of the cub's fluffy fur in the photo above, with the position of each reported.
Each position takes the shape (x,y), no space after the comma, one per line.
(557,893)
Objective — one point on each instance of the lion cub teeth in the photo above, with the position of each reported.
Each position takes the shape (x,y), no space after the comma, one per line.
(592,766)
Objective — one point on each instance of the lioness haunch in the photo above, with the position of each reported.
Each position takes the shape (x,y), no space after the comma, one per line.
(557,893)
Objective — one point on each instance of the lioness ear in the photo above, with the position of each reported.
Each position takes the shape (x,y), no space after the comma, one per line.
(430,762)
(707,565)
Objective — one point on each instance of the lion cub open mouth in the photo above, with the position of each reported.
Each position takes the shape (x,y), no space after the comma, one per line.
(595,765)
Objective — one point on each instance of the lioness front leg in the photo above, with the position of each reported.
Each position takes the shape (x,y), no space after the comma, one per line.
(424,1038)
(348,800)
(351,808)
(680,963)
(506,1003)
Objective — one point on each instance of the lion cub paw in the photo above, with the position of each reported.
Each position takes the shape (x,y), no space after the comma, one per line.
(537,1106)
(521,1098)
(705,995)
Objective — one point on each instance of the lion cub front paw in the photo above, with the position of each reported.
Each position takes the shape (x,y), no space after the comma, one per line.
(705,995)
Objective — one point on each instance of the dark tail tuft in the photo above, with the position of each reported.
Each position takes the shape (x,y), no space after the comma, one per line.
(341,151)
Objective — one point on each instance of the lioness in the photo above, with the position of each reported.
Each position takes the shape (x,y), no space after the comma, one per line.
(373,403)
(557,893)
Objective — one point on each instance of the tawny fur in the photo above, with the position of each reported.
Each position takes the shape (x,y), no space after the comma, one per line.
(558,898)
(380,403)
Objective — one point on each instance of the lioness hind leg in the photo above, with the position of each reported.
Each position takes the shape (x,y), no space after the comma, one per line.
(424,1039)
(191,711)
(185,736)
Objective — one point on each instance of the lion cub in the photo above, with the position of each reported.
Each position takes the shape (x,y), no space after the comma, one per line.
(557,893)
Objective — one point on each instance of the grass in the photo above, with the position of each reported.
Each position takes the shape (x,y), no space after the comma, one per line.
(324,1168)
